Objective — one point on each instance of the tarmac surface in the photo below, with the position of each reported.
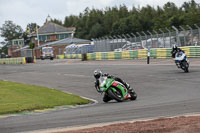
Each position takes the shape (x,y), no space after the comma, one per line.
(163,90)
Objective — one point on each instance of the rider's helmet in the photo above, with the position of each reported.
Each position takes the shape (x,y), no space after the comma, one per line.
(97,73)
(174,47)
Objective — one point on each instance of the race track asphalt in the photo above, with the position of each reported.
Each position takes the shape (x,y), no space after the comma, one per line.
(163,90)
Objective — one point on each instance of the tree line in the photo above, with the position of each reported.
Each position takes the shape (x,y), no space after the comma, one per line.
(95,23)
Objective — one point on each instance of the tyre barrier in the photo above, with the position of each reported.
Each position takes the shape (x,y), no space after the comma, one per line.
(84,57)
(20,60)
(69,56)
(60,57)
(155,53)
(29,59)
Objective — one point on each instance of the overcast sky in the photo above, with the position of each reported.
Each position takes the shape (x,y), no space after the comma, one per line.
(22,12)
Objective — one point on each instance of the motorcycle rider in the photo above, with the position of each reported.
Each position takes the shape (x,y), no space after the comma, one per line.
(98,74)
(175,50)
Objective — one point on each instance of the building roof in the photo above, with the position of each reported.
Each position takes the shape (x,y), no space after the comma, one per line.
(20,49)
(65,41)
(51,27)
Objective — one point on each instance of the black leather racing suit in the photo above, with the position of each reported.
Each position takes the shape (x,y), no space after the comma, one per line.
(174,51)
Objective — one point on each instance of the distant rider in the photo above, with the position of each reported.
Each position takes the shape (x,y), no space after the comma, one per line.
(175,50)
(98,74)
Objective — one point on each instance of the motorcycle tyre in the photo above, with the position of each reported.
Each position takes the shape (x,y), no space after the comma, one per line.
(106,98)
(186,65)
(133,95)
(114,96)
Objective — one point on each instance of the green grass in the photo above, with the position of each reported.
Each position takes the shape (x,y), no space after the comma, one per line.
(17,97)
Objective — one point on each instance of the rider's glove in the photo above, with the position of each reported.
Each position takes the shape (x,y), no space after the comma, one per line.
(106,74)
(97,86)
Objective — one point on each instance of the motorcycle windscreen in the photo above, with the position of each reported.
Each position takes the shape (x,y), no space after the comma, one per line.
(180,56)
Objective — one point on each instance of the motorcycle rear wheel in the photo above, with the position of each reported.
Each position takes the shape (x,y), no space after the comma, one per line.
(186,65)
(133,95)
(186,70)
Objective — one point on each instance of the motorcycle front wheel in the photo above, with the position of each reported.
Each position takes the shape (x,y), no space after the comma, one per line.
(115,95)
(106,98)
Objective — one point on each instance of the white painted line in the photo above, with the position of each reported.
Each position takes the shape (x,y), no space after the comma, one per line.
(95,101)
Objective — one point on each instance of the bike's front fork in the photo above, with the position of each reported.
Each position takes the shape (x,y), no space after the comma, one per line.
(178,64)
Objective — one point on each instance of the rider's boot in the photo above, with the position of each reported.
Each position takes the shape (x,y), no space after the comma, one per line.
(106,98)
(128,87)
(178,65)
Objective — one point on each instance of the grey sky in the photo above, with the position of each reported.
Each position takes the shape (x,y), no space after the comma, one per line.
(22,12)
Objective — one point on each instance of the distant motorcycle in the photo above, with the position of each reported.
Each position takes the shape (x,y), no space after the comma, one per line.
(115,90)
(181,61)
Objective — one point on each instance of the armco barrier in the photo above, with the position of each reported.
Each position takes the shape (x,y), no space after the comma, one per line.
(117,55)
(60,57)
(194,51)
(69,56)
(142,54)
(20,60)
(155,53)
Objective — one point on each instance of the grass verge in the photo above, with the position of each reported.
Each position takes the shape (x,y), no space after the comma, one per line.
(17,97)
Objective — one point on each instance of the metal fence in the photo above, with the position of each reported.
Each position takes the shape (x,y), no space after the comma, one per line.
(79,49)
(155,39)
(27,53)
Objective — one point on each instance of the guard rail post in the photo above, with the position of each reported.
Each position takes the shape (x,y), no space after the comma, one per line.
(148,55)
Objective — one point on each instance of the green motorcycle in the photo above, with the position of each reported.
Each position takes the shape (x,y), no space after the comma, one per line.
(114,90)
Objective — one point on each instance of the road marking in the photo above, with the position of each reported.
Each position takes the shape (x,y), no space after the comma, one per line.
(42,110)
(95,101)
(2,116)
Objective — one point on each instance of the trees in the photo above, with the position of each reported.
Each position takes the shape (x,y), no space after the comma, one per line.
(31,45)
(56,21)
(71,21)
(191,13)
(4,50)
(119,20)
(96,31)
(11,31)
(115,20)
(110,16)
(31,27)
